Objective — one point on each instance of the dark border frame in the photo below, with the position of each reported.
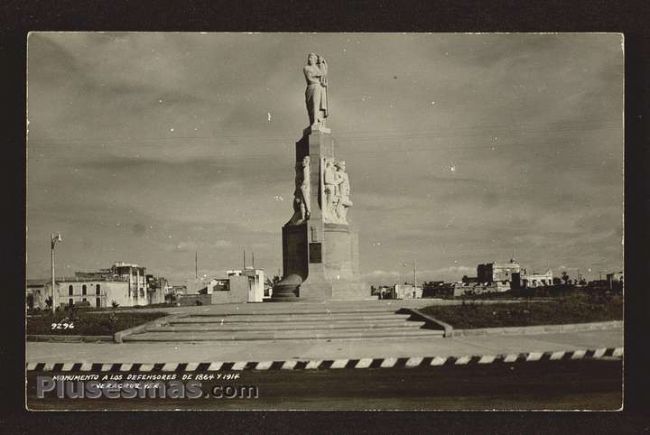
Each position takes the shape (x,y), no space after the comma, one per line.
(629,17)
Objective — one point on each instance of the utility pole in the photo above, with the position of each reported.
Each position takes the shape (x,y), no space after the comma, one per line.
(53,239)
(253,259)
(244,259)
(414,280)
(196,264)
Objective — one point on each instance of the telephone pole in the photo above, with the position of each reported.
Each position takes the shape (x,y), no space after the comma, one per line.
(414,280)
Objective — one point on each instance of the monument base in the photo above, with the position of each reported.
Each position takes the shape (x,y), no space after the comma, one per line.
(287,289)
(320,259)
(320,270)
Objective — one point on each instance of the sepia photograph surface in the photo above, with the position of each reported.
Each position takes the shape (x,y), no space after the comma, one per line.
(334,221)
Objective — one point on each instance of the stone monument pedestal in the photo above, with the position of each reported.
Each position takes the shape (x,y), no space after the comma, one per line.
(320,258)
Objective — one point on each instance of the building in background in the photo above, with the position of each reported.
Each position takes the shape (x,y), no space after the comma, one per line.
(437,289)
(256,281)
(615,281)
(505,276)
(157,289)
(401,291)
(465,288)
(533,280)
(97,293)
(382,292)
(408,291)
(123,284)
(37,291)
(135,293)
(241,285)
(501,277)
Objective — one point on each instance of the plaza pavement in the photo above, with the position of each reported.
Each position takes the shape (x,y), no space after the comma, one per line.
(40,352)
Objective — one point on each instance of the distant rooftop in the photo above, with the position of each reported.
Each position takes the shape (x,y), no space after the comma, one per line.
(123,264)
(39,282)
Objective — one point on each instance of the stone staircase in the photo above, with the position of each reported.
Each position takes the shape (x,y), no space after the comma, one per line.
(306,323)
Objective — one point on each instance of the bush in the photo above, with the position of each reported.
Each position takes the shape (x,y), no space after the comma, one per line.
(576,307)
(88,323)
(72,311)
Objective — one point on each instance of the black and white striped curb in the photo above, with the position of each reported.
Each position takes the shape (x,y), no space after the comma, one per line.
(602,353)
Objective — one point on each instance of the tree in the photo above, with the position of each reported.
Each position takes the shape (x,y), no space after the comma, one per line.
(565,277)
(30,302)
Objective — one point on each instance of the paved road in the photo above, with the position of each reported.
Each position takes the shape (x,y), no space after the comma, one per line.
(565,385)
(37,352)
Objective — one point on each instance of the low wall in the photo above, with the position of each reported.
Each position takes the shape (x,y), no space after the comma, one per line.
(194,299)
(540,329)
(238,292)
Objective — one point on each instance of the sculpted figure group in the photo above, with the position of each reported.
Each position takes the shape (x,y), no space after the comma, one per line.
(301,200)
(336,192)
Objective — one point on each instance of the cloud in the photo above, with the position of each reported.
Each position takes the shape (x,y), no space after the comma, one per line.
(455,270)
(385,277)
(139,229)
(149,145)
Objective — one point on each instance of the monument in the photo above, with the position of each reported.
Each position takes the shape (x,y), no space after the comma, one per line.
(320,256)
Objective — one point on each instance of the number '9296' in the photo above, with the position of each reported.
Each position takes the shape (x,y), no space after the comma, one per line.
(63,325)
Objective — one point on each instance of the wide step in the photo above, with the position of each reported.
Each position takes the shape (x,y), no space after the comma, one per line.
(290,318)
(265,310)
(271,322)
(281,335)
(230,327)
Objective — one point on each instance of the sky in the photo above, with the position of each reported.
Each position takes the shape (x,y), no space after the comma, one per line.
(461,149)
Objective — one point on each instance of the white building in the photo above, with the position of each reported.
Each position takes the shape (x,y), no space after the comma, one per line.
(406,291)
(96,293)
(533,280)
(256,279)
(124,284)
(36,293)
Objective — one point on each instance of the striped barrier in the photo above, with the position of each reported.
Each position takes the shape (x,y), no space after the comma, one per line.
(364,363)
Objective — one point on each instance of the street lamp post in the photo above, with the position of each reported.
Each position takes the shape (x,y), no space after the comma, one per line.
(53,239)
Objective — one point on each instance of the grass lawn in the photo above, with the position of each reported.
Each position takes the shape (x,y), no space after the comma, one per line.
(98,323)
(576,308)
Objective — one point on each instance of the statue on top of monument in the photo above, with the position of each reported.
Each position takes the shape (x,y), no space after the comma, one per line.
(301,201)
(316,93)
